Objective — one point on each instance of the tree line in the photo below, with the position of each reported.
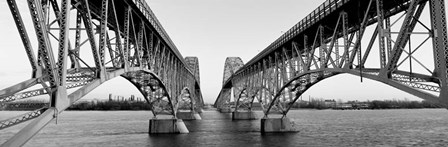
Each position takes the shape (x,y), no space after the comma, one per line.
(110,105)
(315,103)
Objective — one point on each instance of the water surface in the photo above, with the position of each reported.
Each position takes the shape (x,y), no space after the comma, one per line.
(404,127)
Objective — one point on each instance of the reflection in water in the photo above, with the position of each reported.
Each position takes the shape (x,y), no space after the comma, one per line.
(424,127)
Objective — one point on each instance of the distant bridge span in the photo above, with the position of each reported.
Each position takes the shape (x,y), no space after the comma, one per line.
(328,41)
(121,38)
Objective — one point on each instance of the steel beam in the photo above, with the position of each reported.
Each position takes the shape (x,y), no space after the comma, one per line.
(440,45)
(402,39)
(24,36)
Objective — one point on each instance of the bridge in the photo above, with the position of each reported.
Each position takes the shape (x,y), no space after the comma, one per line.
(76,46)
(79,45)
(381,40)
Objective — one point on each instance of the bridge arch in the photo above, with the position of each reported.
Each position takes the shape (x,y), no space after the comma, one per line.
(252,94)
(303,82)
(231,65)
(185,100)
(243,100)
(153,90)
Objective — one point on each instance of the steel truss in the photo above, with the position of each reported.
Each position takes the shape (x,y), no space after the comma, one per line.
(186,102)
(328,42)
(124,38)
(193,63)
(231,65)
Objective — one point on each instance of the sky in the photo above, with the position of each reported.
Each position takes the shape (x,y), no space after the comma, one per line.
(210,30)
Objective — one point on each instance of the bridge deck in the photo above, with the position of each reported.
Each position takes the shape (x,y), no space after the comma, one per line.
(144,13)
(326,15)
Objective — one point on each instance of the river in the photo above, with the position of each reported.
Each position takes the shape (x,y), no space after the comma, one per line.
(402,127)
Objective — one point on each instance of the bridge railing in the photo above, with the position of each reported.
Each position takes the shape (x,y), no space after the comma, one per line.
(321,12)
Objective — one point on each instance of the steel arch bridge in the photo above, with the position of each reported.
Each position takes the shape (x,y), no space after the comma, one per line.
(400,48)
(81,44)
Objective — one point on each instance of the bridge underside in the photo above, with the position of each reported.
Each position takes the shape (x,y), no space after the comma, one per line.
(370,39)
(77,45)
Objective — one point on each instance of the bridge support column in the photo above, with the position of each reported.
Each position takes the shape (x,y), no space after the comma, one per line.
(171,125)
(247,115)
(271,125)
(200,110)
(189,115)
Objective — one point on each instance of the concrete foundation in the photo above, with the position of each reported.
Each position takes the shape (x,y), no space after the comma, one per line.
(200,110)
(197,116)
(225,110)
(248,115)
(271,125)
(161,126)
(188,116)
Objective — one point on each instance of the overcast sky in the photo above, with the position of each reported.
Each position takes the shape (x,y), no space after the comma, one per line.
(210,30)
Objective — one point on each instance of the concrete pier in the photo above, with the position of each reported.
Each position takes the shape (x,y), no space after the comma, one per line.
(245,115)
(225,110)
(200,110)
(188,115)
(271,125)
(171,125)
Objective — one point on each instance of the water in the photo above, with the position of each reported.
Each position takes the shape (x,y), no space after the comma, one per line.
(424,127)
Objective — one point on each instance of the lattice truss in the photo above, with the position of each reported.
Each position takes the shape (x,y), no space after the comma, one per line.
(401,43)
(193,63)
(78,45)
(185,101)
(242,100)
(224,98)
(231,65)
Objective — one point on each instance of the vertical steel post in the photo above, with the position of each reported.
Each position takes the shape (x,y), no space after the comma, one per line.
(24,36)
(440,45)
(380,27)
